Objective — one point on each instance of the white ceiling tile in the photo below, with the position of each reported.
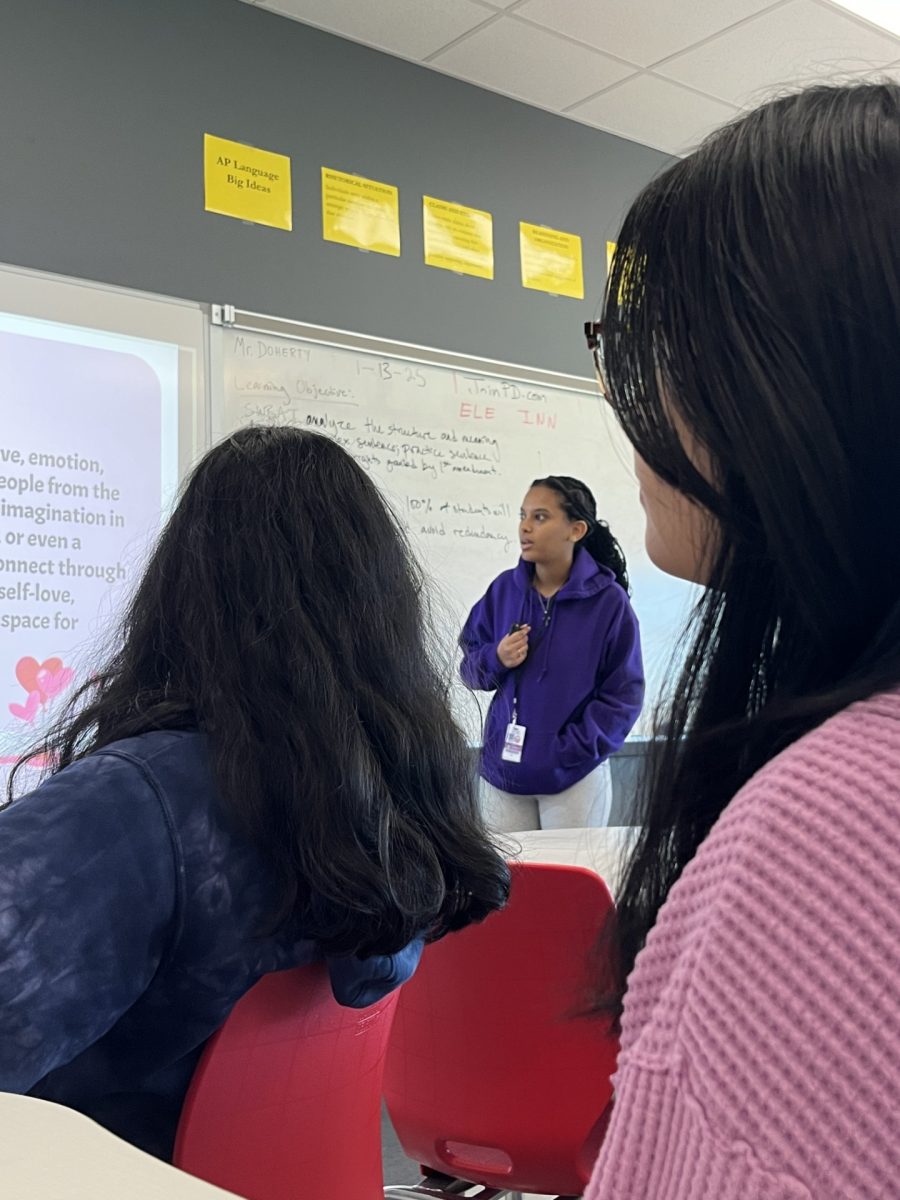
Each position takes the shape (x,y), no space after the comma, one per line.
(530,64)
(883,13)
(653,111)
(797,43)
(411,28)
(647,31)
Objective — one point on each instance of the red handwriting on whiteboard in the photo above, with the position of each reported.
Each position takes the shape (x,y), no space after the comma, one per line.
(476,412)
(537,418)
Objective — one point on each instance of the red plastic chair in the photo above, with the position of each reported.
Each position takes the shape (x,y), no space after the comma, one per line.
(285,1103)
(496,1074)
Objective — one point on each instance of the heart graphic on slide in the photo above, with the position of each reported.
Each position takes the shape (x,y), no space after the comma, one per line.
(51,683)
(27,711)
(28,670)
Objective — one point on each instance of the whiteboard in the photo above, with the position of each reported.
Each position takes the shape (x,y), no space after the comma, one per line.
(454,444)
(102,409)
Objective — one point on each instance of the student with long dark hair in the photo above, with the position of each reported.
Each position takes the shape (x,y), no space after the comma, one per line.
(264,772)
(557,641)
(751,350)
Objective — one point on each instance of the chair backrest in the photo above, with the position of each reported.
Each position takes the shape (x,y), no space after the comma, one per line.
(286,1099)
(496,1071)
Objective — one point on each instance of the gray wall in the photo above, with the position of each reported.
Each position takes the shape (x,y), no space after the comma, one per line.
(103,105)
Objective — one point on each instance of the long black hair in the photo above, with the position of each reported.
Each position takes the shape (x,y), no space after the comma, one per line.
(282,613)
(754,300)
(578,504)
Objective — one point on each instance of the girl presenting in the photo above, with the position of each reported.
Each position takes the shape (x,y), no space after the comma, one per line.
(556,640)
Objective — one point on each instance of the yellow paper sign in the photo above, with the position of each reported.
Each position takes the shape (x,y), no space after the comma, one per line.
(458,238)
(551,260)
(247,183)
(360,212)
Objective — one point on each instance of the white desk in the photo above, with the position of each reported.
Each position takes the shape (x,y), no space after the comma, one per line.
(48,1152)
(602,850)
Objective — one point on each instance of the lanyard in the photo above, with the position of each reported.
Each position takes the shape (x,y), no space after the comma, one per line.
(548,614)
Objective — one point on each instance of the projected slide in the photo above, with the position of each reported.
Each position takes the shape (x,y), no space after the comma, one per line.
(88,465)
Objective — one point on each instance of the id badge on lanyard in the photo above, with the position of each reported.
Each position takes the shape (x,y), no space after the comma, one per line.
(514,740)
(515,737)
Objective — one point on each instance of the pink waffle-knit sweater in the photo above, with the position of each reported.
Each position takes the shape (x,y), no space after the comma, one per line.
(761,1036)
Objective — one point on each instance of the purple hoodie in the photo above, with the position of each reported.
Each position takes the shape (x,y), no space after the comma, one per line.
(582,685)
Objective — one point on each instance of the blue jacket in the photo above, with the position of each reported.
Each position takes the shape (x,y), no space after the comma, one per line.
(581,688)
(129,927)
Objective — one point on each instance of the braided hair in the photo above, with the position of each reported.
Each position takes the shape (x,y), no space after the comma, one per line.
(578,504)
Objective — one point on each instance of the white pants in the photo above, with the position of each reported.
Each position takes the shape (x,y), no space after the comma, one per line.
(585,805)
